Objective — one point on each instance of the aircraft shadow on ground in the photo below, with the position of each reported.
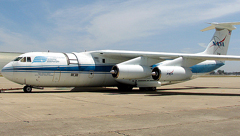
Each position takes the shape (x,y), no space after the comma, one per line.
(158,92)
(170,91)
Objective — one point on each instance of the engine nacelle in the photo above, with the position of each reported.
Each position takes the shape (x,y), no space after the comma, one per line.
(130,71)
(171,73)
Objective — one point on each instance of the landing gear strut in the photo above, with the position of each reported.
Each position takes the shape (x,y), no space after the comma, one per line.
(27,89)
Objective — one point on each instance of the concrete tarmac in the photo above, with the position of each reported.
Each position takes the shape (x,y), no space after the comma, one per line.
(204,106)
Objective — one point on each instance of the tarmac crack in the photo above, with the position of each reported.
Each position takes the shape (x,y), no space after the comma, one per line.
(124,131)
(81,100)
(69,98)
(10,115)
(117,132)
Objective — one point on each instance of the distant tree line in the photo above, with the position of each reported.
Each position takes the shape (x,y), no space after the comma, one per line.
(221,72)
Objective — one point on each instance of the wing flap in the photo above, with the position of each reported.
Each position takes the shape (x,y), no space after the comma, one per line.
(213,57)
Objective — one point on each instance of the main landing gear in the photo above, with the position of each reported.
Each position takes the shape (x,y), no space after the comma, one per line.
(27,89)
(125,88)
(147,88)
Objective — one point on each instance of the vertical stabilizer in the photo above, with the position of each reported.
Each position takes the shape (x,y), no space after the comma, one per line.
(220,41)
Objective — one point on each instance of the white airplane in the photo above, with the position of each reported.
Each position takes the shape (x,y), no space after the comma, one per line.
(124,69)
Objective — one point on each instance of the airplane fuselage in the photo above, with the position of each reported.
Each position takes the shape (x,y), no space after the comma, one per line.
(59,69)
(48,69)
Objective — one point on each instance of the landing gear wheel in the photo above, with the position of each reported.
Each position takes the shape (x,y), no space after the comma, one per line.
(125,88)
(27,89)
(142,88)
(153,88)
(147,88)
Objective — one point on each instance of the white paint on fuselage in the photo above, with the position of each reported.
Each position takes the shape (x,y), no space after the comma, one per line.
(56,72)
(49,69)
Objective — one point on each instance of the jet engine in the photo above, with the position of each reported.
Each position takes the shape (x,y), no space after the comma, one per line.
(130,71)
(171,73)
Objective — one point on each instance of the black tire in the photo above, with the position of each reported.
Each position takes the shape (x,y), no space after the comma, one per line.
(125,88)
(147,88)
(27,89)
(153,88)
(142,88)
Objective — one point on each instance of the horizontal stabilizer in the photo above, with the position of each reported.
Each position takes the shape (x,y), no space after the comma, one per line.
(230,26)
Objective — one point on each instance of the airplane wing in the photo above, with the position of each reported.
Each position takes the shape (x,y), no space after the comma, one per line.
(163,56)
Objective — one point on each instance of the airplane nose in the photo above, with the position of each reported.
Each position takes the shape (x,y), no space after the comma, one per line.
(7,71)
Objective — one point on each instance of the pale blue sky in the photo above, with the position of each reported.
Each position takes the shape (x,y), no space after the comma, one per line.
(140,25)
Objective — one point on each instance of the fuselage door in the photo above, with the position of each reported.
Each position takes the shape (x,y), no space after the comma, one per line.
(56,76)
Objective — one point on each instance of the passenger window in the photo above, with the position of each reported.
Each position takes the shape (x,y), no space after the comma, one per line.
(29,59)
(24,59)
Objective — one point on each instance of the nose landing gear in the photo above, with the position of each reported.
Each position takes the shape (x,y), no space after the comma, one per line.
(27,89)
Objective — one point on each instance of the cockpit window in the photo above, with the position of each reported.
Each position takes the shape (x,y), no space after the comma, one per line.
(17,59)
(29,59)
(23,60)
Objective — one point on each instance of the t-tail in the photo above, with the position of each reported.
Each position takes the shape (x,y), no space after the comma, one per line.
(220,41)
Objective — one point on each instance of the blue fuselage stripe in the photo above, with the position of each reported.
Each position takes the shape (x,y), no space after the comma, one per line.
(60,68)
(203,68)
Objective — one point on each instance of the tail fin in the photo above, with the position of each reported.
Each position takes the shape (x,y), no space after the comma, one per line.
(220,41)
